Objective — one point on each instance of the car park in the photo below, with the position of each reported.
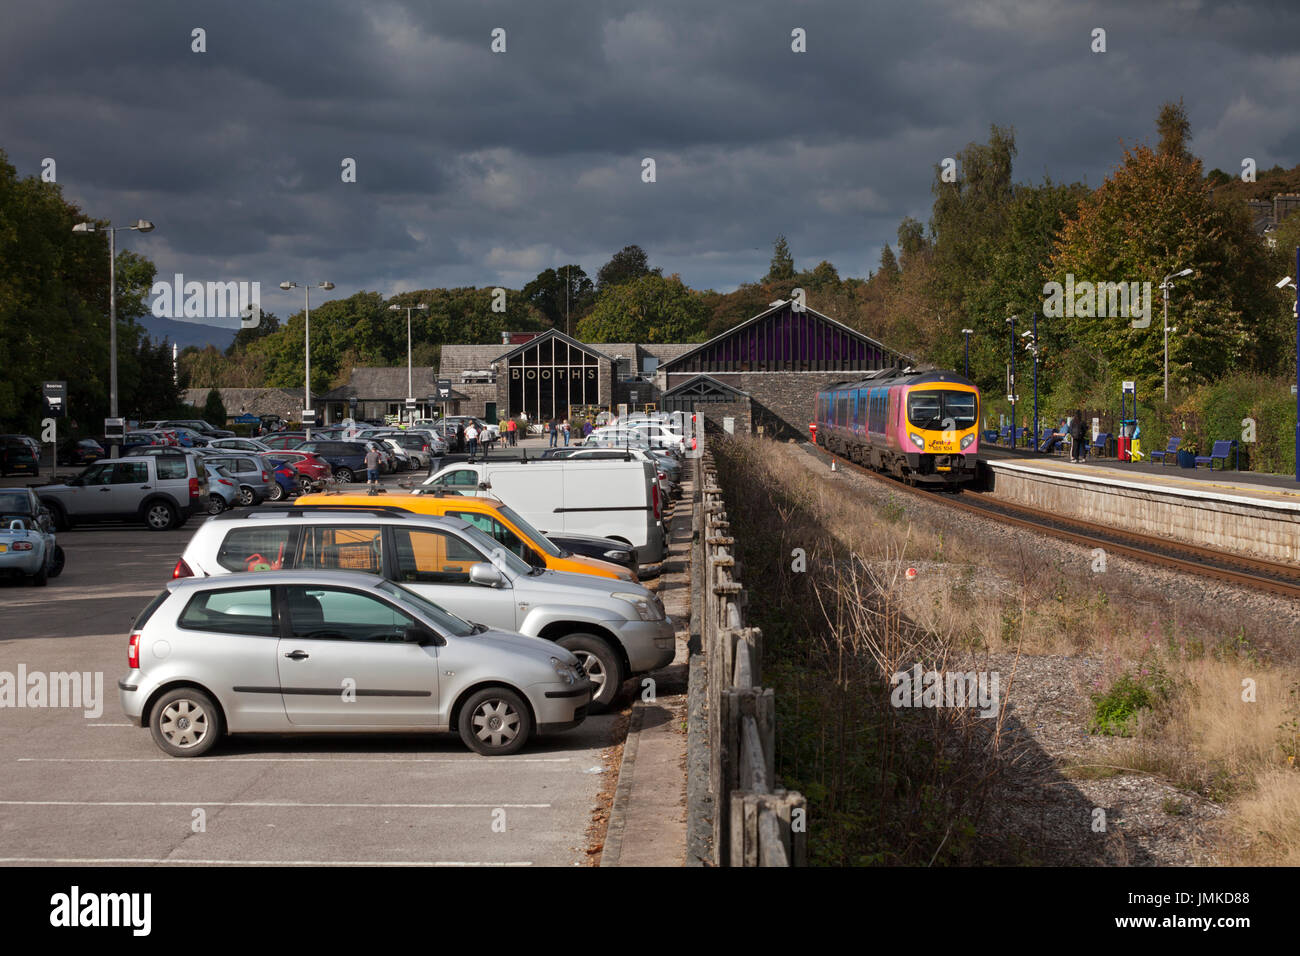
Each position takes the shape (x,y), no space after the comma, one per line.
(616,628)
(162,491)
(312,471)
(495,519)
(346,459)
(28,550)
(253,472)
(17,457)
(239,444)
(223,489)
(602,549)
(80,451)
(284,440)
(610,499)
(285,475)
(198,425)
(251,654)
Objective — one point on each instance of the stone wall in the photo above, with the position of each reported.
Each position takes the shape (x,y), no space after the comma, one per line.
(1246,526)
(782,401)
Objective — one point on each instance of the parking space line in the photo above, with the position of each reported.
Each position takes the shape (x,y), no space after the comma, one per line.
(495,761)
(110,725)
(275,805)
(124,860)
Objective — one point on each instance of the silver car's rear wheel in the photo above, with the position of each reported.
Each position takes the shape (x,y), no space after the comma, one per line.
(216,504)
(185,722)
(495,721)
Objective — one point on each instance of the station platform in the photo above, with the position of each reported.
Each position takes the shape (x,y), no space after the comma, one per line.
(1236,512)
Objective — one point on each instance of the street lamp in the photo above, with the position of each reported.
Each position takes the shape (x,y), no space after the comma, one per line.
(306,350)
(1031,346)
(410,395)
(140,225)
(1166,285)
(1282,285)
(1011,397)
(968,333)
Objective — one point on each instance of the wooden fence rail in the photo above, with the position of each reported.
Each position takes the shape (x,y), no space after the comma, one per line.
(754,823)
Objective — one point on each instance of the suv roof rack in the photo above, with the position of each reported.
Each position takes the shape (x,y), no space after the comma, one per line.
(378,511)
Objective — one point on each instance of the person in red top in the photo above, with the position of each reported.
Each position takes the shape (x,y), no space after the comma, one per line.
(512,428)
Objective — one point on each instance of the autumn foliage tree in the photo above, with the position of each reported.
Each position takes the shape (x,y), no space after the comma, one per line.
(1154,216)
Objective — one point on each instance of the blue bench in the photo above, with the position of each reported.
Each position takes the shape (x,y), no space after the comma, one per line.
(1220,452)
(990,435)
(1170,452)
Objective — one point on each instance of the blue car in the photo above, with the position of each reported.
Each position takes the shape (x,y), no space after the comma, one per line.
(347,459)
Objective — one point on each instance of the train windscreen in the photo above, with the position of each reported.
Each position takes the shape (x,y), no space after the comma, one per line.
(941,409)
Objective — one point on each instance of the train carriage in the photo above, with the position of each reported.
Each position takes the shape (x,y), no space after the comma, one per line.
(922,427)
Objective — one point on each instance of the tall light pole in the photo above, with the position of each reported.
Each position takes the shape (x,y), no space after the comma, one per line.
(140,225)
(1011,321)
(410,395)
(306,350)
(1166,285)
(1031,346)
(967,333)
(1288,281)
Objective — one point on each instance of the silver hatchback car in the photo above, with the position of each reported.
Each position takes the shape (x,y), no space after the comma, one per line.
(337,651)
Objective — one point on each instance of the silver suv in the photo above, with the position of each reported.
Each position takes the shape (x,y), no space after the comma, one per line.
(160,490)
(324,652)
(615,628)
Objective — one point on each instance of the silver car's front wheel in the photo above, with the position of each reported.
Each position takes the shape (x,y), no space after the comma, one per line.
(495,721)
(185,722)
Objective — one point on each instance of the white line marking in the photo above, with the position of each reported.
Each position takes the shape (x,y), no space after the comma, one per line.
(271,804)
(125,859)
(110,725)
(508,761)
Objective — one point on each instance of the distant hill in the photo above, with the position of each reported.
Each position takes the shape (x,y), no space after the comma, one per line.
(186,334)
(1267,184)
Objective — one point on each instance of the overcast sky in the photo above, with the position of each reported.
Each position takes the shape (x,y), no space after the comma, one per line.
(478,168)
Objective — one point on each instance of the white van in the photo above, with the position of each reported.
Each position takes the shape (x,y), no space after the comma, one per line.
(609,499)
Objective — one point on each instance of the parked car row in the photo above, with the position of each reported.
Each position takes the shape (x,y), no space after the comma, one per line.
(452,608)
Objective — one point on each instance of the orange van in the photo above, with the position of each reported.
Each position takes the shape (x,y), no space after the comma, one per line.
(490,516)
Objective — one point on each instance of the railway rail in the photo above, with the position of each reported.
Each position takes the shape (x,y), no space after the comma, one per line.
(1255,573)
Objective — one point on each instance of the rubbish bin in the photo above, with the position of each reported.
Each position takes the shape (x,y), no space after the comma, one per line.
(1124,453)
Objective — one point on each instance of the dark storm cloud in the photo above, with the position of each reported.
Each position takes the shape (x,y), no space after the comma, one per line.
(475,168)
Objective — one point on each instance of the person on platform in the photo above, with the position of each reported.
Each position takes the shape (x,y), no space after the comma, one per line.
(1078,451)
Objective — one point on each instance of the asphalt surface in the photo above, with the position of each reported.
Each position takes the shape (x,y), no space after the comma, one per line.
(85,790)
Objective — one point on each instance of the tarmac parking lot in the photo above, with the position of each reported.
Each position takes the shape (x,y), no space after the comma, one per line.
(82,786)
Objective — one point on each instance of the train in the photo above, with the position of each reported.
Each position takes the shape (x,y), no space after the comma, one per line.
(921,427)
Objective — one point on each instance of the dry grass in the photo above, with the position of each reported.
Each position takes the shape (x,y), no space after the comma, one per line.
(1202,736)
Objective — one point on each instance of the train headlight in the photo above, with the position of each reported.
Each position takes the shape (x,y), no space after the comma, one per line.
(966,442)
(917,440)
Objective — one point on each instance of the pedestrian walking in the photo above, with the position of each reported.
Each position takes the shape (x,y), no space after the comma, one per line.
(471,439)
(587,428)
(564,427)
(1077,449)
(512,432)
(460,437)
(372,466)
(554,430)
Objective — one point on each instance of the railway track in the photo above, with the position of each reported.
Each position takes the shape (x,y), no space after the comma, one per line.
(1255,573)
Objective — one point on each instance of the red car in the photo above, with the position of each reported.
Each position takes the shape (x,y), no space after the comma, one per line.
(310,468)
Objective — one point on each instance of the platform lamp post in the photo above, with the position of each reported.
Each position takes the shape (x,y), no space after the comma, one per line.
(1031,346)
(1011,396)
(140,225)
(968,333)
(1166,284)
(1288,281)
(423,307)
(306,349)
